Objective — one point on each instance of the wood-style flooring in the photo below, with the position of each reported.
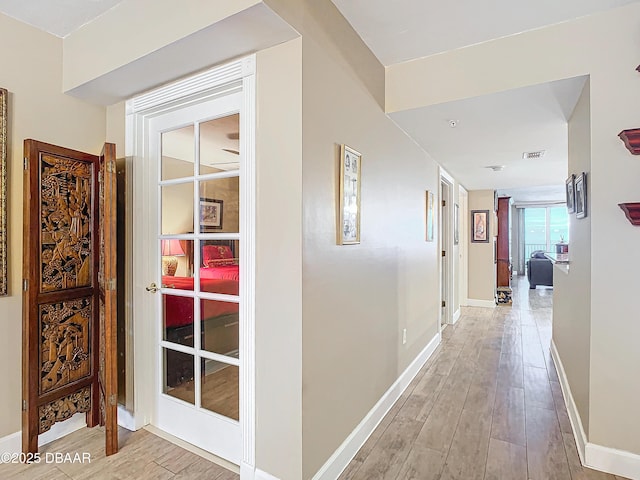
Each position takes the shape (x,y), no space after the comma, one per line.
(142,456)
(486,406)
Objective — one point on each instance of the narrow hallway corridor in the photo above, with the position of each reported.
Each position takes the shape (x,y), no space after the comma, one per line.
(487,405)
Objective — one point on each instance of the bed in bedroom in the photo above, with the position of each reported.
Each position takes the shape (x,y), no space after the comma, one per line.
(219,325)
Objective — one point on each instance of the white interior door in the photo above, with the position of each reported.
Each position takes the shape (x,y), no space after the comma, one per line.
(196,165)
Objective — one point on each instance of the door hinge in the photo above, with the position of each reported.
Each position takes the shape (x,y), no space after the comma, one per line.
(113,401)
(111,284)
(25,284)
(26,163)
(444,253)
(444,203)
(24,405)
(444,304)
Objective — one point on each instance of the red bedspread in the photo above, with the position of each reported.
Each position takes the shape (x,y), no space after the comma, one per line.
(226,272)
(179,310)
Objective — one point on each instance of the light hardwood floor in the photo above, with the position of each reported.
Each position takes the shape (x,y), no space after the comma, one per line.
(142,456)
(486,406)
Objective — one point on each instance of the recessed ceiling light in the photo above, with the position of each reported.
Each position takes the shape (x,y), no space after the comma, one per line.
(532,155)
(496,168)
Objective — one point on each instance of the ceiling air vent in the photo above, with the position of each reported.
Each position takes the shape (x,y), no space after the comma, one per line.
(533,155)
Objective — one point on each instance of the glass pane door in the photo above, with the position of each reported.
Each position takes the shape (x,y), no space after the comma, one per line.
(199,158)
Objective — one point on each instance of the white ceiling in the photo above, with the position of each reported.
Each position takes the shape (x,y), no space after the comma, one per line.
(58,17)
(496,130)
(492,130)
(401,30)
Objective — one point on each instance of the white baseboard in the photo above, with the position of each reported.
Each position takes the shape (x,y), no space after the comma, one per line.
(13,443)
(334,466)
(456,317)
(598,457)
(473,302)
(260,475)
(610,460)
(126,419)
(572,409)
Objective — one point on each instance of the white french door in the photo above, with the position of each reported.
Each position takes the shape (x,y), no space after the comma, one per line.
(196,167)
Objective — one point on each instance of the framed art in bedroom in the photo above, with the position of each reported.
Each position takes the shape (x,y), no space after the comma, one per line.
(210,214)
(348,227)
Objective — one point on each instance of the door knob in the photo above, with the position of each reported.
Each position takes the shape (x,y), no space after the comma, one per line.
(152,288)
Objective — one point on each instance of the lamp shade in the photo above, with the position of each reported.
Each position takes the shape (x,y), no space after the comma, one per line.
(172,248)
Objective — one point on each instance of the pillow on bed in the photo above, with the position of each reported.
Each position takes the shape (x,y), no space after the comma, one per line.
(216,252)
(221,262)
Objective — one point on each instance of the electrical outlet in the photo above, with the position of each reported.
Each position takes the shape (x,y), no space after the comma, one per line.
(404,336)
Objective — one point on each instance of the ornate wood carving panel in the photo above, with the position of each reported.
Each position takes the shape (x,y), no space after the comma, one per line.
(68,309)
(65,351)
(64,408)
(66,215)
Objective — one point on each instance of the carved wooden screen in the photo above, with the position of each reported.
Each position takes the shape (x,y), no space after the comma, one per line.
(61,296)
(107,272)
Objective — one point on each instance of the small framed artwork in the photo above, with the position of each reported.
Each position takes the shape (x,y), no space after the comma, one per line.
(480,226)
(571,195)
(456,224)
(430,215)
(349,196)
(3,192)
(210,214)
(581,195)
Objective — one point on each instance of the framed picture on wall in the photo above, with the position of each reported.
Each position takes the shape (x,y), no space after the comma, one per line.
(581,195)
(348,227)
(3,192)
(571,195)
(480,226)
(456,224)
(429,217)
(210,214)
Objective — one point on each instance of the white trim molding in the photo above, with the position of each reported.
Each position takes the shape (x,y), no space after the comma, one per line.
(572,409)
(334,466)
(13,443)
(221,81)
(260,475)
(598,457)
(473,302)
(456,316)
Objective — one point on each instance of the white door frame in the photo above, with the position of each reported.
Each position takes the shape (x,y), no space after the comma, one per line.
(463,245)
(445,240)
(234,76)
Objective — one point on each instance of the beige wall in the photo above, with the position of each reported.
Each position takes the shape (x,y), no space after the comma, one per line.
(602,46)
(352,345)
(572,292)
(279,261)
(482,269)
(38,110)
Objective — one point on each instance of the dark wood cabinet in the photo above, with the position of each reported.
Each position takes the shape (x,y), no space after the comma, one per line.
(503,256)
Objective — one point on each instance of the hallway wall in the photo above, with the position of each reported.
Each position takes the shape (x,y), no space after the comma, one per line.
(572,292)
(482,269)
(356,298)
(604,46)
